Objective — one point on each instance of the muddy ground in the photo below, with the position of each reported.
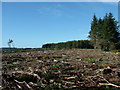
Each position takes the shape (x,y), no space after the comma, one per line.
(74,69)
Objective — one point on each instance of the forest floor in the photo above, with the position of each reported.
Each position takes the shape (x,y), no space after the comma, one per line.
(79,69)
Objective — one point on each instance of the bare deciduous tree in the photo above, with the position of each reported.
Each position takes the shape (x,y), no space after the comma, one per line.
(10,43)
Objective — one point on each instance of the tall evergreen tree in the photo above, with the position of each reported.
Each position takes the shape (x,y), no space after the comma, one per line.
(93,34)
(104,32)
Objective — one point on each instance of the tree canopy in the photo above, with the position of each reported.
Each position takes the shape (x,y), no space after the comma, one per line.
(104,33)
(70,44)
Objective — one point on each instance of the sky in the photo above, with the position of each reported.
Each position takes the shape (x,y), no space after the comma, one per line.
(32,24)
(60,0)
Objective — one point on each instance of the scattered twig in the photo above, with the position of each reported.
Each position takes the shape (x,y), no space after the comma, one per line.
(23,84)
(108,83)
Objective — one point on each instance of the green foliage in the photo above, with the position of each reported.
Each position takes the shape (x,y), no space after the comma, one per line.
(117,54)
(118,45)
(55,85)
(91,60)
(70,44)
(56,66)
(14,59)
(104,33)
(107,87)
(47,75)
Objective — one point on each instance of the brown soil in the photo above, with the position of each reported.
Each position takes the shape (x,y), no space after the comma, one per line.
(82,69)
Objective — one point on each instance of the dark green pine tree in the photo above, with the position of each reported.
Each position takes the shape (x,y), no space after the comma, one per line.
(104,32)
(93,34)
(113,29)
(99,33)
(110,32)
(103,39)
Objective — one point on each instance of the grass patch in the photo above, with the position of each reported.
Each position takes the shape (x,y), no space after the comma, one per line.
(48,75)
(104,61)
(90,60)
(55,66)
(55,85)
(117,54)
(14,59)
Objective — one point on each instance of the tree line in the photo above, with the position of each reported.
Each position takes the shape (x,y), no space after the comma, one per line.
(104,33)
(83,44)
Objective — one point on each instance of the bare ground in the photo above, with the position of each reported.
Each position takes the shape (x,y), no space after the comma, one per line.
(79,69)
